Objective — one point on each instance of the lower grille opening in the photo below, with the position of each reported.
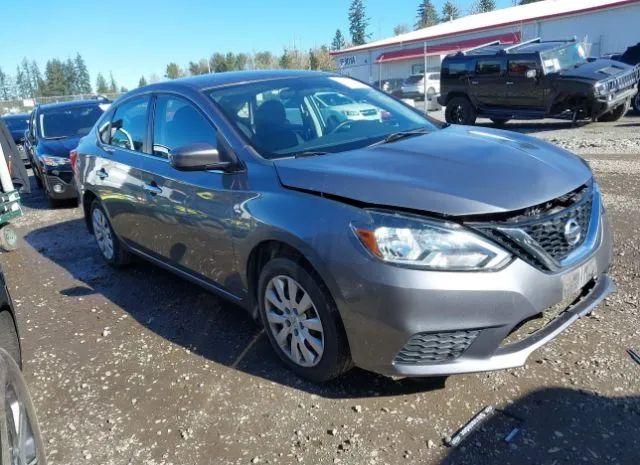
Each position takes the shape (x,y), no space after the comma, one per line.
(426,348)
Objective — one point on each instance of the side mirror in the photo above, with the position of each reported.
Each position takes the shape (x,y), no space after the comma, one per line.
(199,156)
(532,73)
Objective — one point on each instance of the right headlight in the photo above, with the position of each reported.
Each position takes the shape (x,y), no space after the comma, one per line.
(601,89)
(430,244)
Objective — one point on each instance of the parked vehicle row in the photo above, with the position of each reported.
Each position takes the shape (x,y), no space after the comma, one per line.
(394,244)
(17,123)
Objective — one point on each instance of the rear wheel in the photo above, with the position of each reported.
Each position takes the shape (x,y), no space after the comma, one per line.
(460,111)
(302,322)
(615,114)
(499,121)
(110,246)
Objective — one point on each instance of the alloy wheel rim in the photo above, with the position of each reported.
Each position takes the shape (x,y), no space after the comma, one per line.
(102,233)
(294,321)
(458,113)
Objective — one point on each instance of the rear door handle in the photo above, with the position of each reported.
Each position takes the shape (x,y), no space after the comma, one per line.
(102,174)
(153,188)
(475,83)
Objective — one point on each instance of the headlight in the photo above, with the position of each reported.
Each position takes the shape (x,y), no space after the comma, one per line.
(351,112)
(430,244)
(601,89)
(54,161)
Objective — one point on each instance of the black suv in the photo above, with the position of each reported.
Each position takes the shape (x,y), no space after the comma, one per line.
(54,130)
(532,80)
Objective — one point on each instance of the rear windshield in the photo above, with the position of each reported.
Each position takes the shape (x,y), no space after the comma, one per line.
(16,123)
(60,123)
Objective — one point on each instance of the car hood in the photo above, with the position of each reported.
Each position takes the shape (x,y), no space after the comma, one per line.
(57,148)
(458,170)
(598,70)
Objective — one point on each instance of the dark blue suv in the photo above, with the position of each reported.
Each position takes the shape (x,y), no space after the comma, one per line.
(54,130)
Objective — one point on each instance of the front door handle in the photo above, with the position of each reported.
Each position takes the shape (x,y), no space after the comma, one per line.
(102,174)
(475,83)
(510,83)
(153,188)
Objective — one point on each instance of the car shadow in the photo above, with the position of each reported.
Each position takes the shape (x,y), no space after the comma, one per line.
(37,200)
(193,318)
(556,426)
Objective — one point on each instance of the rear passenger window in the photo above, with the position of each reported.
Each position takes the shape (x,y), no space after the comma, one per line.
(129,125)
(179,123)
(455,68)
(520,67)
(488,67)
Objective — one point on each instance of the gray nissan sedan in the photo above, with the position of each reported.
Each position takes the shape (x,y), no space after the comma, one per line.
(392,243)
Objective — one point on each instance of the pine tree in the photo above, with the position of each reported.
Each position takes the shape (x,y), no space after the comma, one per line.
(22,89)
(55,78)
(427,15)
(484,6)
(29,85)
(82,75)
(70,77)
(113,86)
(101,84)
(400,29)
(4,86)
(338,42)
(37,83)
(450,11)
(358,22)
(142,82)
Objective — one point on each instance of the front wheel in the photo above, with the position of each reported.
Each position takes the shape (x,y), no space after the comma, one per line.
(302,321)
(636,103)
(460,111)
(615,114)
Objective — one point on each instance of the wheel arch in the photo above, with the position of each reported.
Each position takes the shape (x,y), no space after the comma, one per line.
(87,200)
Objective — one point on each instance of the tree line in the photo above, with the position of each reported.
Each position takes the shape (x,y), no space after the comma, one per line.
(60,77)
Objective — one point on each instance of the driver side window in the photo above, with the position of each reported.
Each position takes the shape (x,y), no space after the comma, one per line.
(129,125)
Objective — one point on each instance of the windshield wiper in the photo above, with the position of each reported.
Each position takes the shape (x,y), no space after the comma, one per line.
(310,153)
(395,136)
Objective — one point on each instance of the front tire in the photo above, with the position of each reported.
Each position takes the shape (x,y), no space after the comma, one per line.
(110,246)
(615,114)
(460,111)
(302,321)
(636,103)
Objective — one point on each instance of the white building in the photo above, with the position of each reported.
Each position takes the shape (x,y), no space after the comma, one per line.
(608,25)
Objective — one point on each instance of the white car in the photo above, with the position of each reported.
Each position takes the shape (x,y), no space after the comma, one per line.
(338,107)
(413,87)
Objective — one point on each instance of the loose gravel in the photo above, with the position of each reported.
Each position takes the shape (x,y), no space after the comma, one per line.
(140,367)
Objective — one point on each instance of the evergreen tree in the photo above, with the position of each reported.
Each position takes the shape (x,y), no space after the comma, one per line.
(29,85)
(113,86)
(264,60)
(70,78)
(427,15)
(101,84)
(55,78)
(400,29)
(484,6)
(450,11)
(22,87)
(123,90)
(83,80)
(142,82)
(242,60)
(37,83)
(5,92)
(338,42)
(358,22)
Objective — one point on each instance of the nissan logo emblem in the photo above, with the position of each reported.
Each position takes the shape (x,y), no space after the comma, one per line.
(572,232)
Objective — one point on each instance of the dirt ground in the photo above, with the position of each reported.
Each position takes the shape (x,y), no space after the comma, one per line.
(140,367)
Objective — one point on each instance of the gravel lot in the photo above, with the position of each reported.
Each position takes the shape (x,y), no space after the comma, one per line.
(141,367)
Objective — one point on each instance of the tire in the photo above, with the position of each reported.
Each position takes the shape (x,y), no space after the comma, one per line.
(615,114)
(8,238)
(460,111)
(324,325)
(636,104)
(9,340)
(111,249)
(500,122)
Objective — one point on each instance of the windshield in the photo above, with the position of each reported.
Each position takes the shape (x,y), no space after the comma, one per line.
(68,122)
(566,57)
(16,123)
(285,117)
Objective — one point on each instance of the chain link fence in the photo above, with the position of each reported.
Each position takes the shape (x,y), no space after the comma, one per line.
(26,105)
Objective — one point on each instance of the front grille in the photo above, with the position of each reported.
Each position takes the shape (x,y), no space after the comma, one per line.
(425,348)
(623,82)
(550,233)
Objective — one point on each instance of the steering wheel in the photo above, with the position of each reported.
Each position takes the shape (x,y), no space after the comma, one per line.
(341,125)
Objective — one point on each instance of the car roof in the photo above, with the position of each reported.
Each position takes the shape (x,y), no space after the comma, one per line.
(210,81)
(72,104)
(531,47)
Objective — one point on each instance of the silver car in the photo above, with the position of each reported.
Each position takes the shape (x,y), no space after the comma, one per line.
(400,245)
